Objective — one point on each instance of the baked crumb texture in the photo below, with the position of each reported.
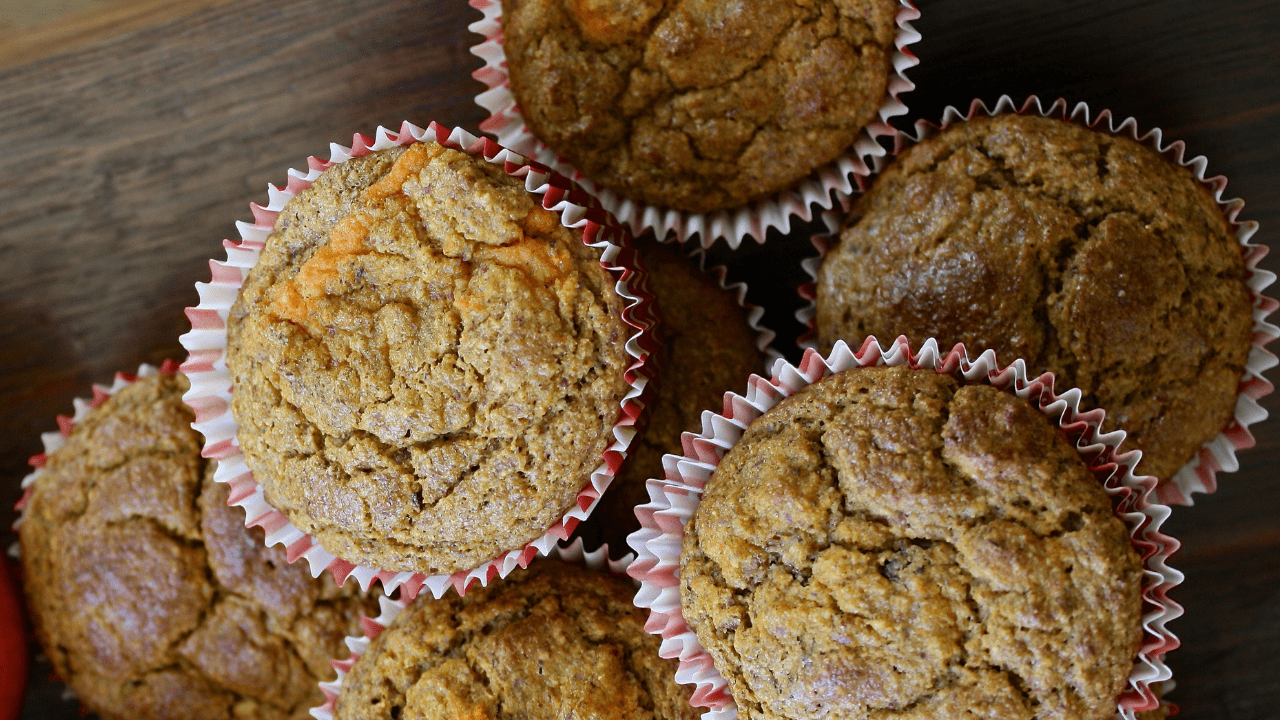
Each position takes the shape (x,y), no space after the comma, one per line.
(146,591)
(696,105)
(1081,252)
(885,534)
(709,343)
(887,543)
(553,641)
(427,364)
(403,376)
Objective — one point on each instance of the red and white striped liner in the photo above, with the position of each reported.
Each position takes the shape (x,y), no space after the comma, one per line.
(1216,455)
(210,394)
(53,441)
(597,560)
(674,499)
(836,178)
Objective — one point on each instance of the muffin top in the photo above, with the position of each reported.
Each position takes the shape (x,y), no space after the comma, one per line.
(427,365)
(709,349)
(148,594)
(886,542)
(1082,253)
(695,104)
(553,641)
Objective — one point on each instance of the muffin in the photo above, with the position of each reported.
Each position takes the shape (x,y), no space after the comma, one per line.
(887,541)
(1082,253)
(694,105)
(553,641)
(146,591)
(427,365)
(708,347)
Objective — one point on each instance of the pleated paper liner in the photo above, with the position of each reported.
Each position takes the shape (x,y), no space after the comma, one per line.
(755,314)
(674,499)
(1199,475)
(596,560)
(738,290)
(837,178)
(53,441)
(210,394)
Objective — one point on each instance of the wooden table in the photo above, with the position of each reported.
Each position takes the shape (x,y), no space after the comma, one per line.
(129,146)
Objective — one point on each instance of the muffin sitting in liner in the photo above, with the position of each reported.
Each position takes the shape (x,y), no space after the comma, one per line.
(427,365)
(553,641)
(888,543)
(1083,253)
(697,105)
(148,594)
(708,346)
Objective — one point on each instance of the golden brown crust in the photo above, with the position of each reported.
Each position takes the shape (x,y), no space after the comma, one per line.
(708,349)
(553,641)
(885,544)
(1079,252)
(427,364)
(694,104)
(147,592)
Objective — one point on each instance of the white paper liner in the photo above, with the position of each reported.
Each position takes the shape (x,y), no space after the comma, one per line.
(1199,475)
(674,499)
(597,560)
(755,313)
(837,178)
(210,393)
(53,441)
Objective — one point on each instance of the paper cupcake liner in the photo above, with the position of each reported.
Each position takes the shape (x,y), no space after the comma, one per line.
(1199,475)
(210,394)
(755,313)
(753,220)
(597,560)
(53,441)
(674,499)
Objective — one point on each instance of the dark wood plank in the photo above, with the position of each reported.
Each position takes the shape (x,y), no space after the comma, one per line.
(31,31)
(124,165)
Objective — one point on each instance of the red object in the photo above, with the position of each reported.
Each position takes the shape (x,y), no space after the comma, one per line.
(13,647)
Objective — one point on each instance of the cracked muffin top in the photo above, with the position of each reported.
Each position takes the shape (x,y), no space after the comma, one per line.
(148,594)
(1082,253)
(427,365)
(553,641)
(888,543)
(709,348)
(698,105)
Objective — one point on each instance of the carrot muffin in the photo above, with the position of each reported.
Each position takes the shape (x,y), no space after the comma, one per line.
(698,105)
(427,365)
(1082,253)
(709,348)
(146,591)
(553,641)
(887,542)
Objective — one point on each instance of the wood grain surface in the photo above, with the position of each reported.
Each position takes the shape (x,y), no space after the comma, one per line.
(34,29)
(124,161)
